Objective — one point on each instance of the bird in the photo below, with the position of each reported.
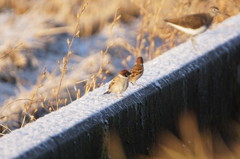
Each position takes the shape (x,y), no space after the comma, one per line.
(194,24)
(119,83)
(136,71)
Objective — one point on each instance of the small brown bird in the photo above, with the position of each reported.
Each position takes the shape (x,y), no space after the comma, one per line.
(194,24)
(119,83)
(136,71)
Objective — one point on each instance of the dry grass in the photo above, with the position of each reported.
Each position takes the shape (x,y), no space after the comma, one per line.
(192,143)
(26,27)
(153,27)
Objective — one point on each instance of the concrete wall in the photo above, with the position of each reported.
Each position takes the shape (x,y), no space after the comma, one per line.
(206,80)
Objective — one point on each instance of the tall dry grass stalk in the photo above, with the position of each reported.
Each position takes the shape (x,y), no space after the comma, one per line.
(66,58)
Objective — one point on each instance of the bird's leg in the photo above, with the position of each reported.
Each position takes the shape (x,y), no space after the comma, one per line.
(193,43)
(119,95)
(134,83)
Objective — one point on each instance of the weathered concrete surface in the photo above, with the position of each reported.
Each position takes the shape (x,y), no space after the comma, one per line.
(205,80)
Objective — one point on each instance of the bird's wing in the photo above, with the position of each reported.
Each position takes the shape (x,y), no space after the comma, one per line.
(191,21)
(113,82)
(136,70)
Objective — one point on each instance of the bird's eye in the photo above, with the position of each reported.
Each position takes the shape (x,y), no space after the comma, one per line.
(127,74)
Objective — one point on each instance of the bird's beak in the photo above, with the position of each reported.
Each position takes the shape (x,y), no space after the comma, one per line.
(224,14)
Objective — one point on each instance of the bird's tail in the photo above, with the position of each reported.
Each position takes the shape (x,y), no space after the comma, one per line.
(107,92)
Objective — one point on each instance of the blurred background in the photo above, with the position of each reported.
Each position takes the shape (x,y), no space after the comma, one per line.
(54,51)
(188,142)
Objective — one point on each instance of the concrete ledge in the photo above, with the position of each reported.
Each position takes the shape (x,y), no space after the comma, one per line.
(205,80)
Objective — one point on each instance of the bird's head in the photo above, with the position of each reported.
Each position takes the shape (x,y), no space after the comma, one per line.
(139,60)
(213,11)
(124,73)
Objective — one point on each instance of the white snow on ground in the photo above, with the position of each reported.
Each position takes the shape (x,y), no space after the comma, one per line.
(84,49)
(56,122)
